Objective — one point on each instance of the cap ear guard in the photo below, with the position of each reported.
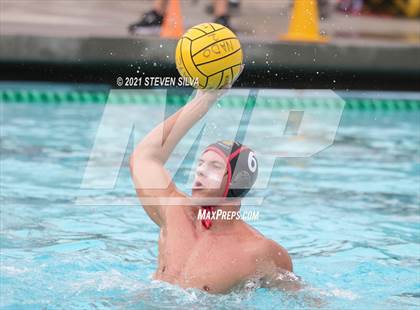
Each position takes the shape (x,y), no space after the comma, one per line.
(240,185)
(245,172)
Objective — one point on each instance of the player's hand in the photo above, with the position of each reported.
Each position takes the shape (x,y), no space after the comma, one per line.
(215,94)
(236,77)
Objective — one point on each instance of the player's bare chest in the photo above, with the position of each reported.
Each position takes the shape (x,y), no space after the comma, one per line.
(214,264)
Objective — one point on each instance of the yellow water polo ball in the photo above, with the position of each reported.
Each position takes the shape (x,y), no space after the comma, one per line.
(210,53)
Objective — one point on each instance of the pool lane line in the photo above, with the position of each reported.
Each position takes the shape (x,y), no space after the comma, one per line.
(12,96)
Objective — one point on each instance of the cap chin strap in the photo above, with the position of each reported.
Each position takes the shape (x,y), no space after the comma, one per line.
(207,222)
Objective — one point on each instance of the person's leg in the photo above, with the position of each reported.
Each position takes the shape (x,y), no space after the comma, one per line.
(221,12)
(232,6)
(220,7)
(151,21)
(159,6)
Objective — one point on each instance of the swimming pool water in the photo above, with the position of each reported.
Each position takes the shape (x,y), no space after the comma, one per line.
(349,217)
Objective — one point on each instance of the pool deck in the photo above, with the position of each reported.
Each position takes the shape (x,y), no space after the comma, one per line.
(95,33)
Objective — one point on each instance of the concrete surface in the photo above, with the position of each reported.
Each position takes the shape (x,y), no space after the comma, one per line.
(257,20)
(88,41)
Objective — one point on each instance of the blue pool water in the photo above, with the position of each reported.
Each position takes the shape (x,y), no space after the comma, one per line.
(349,217)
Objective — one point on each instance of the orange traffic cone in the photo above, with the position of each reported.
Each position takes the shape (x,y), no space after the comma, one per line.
(304,23)
(172,27)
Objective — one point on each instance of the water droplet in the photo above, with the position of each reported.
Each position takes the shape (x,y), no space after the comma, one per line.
(154,64)
(161,45)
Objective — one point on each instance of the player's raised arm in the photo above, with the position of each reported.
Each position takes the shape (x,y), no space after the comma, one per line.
(149,175)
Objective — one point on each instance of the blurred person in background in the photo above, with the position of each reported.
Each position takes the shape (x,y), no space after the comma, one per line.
(408,8)
(350,6)
(324,8)
(152,20)
(233,5)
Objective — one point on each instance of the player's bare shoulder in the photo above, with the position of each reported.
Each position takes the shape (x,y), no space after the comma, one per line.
(178,211)
(267,250)
(278,255)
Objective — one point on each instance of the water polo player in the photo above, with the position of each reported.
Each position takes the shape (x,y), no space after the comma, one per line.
(212,254)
